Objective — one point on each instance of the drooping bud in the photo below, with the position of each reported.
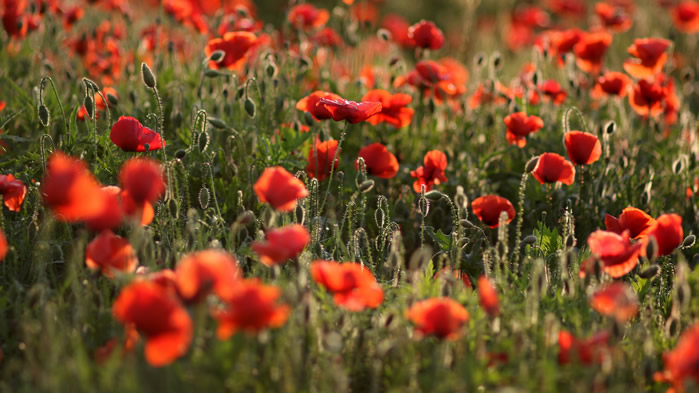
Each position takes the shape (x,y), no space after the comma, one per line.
(217,56)
(44,115)
(147,75)
(531,164)
(250,107)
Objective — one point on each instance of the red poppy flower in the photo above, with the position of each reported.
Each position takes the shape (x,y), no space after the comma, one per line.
(573,8)
(457,274)
(647,98)
(131,338)
(130,135)
(564,41)
(310,104)
(650,57)
(426,35)
(199,273)
(307,16)
(13,192)
(590,50)
(394,110)
(432,172)
(282,244)
(353,286)
(353,112)
(667,231)
(4,246)
(682,363)
(553,90)
(552,167)
(143,183)
(583,148)
(586,351)
(322,154)
(280,189)
(531,16)
(14,19)
(379,161)
(617,300)
(615,251)
(613,18)
(489,207)
(431,72)
(112,213)
(631,219)
(110,253)
(686,16)
(442,317)
(252,306)
(69,189)
(488,296)
(613,84)
(327,37)
(100,104)
(71,16)
(519,126)
(159,317)
(236,46)
(398,27)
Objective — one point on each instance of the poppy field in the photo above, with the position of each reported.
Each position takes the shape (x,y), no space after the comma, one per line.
(349,196)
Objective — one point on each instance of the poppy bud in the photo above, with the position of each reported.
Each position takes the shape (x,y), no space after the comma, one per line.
(497,60)
(393,61)
(570,242)
(610,127)
(218,123)
(536,77)
(645,197)
(271,69)
(88,103)
(308,119)
(688,241)
(649,272)
(683,295)
(695,260)
(431,105)
(466,223)
(203,141)
(434,195)
(146,147)
(479,59)
(245,218)
(147,75)
(180,154)
(529,240)
(174,207)
(366,186)
(44,115)
(672,326)
(217,56)
(652,249)
(384,35)
(112,99)
(688,75)
(250,107)
(204,197)
(678,166)
(209,73)
(531,164)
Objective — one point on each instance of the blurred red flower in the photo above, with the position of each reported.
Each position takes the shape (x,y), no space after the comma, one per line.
(631,219)
(667,231)
(583,148)
(353,112)
(252,306)
(159,317)
(279,188)
(13,192)
(553,91)
(202,272)
(425,34)
(682,363)
(615,251)
(613,18)
(282,244)
(143,182)
(552,168)
(130,135)
(379,161)
(432,171)
(112,213)
(320,159)
(488,296)
(590,50)
(617,300)
(649,57)
(686,16)
(236,46)
(69,189)
(519,126)
(586,351)
(4,246)
(398,27)
(394,110)
(489,207)
(306,16)
(353,286)
(612,83)
(110,253)
(442,317)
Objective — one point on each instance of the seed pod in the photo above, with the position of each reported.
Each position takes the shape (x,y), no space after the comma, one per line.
(147,75)
(531,164)
(217,56)
(649,272)
(88,103)
(250,107)
(44,115)
(688,241)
